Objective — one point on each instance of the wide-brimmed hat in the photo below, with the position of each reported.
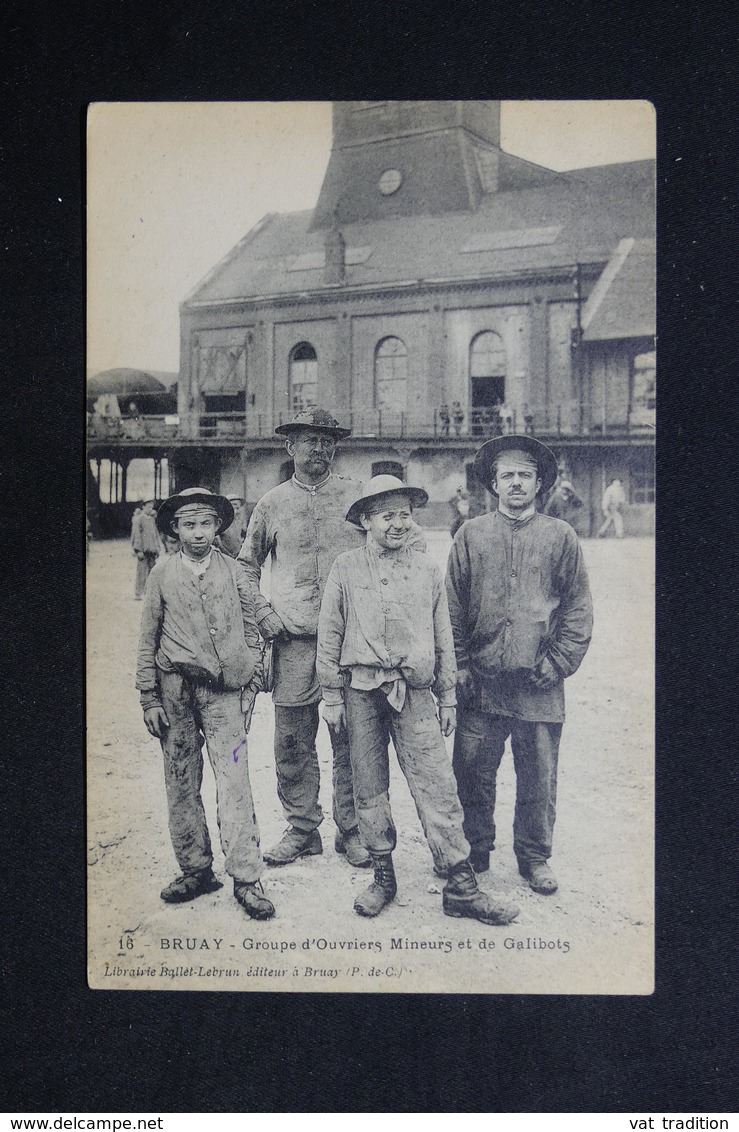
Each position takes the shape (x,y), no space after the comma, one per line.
(315,419)
(486,455)
(384,485)
(193,495)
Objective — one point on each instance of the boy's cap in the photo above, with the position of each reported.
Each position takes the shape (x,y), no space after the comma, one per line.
(384,485)
(545,459)
(195,499)
(315,418)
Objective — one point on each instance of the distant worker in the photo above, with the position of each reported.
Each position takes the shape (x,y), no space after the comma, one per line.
(134,523)
(460,504)
(612,504)
(445,419)
(231,541)
(505,419)
(564,501)
(457,417)
(146,545)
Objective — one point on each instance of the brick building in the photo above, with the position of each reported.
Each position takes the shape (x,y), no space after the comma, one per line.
(440,291)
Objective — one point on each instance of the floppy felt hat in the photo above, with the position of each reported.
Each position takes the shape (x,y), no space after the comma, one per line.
(486,455)
(384,485)
(314,418)
(189,497)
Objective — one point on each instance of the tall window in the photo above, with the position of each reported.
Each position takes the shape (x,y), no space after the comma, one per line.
(642,477)
(643,389)
(487,369)
(303,377)
(391,375)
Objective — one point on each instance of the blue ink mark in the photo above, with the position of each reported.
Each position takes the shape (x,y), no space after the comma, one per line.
(235,755)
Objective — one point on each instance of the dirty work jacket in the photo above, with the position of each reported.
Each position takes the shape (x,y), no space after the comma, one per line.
(301,530)
(202,627)
(518,591)
(385,612)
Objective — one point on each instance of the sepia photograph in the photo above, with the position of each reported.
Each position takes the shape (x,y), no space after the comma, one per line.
(370,514)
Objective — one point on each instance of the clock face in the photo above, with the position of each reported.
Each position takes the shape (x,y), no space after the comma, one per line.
(390,181)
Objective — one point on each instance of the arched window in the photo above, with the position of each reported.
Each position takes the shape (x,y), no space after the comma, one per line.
(487,375)
(303,377)
(388,468)
(391,373)
(487,355)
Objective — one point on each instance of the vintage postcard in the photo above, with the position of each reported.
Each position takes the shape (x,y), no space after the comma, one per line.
(287,302)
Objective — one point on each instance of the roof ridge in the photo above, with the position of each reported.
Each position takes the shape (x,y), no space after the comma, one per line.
(231,254)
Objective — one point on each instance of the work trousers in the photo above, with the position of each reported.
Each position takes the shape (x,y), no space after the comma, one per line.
(191,708)
(298,774)
(144,567)
(479,742)
(616,518)
(423,758)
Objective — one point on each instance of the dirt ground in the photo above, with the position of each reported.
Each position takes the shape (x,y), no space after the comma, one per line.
(595,935)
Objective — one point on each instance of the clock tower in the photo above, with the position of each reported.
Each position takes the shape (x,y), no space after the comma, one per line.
(394,159)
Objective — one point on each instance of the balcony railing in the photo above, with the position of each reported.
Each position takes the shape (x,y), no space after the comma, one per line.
(563,420)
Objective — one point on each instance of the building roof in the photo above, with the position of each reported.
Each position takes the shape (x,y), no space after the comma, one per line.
(123,383)
(622,303)
(576,217)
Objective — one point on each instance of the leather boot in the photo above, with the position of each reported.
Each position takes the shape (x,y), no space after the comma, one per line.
(381,891)
(293,844)
(462,897)
(349,846)
(185,888)
(539,875)
(250,895)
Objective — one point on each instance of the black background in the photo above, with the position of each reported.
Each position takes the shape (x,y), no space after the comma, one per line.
(70,1049)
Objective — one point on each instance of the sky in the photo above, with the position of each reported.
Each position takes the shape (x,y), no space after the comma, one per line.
(172,186)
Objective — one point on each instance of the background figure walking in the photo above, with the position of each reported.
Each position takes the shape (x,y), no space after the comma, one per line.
(612,504)
(146,544)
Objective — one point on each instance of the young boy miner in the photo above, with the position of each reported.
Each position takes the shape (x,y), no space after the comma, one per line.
(384,640)
(199,646)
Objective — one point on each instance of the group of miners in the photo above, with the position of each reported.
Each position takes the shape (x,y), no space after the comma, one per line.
(359,617)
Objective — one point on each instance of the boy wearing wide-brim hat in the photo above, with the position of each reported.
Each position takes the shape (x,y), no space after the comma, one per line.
(384,643)
(522,618)
(199,670)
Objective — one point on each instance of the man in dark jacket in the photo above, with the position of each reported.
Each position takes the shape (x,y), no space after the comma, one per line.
(521,615)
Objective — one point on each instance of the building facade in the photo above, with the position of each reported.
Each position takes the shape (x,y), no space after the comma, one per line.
(440,292)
